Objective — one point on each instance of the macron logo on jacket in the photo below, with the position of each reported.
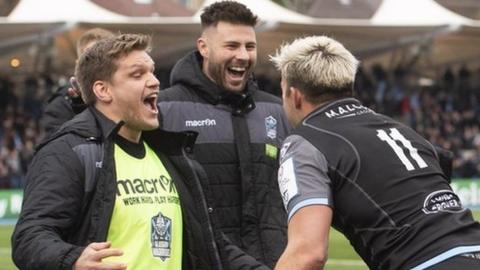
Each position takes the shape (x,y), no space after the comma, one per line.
(200,123)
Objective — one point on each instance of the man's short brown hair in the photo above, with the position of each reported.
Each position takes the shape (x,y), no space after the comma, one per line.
(227,11)
(92,35)
(99,62)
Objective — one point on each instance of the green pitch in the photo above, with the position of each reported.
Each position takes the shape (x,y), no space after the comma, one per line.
(340,257)
(5,251)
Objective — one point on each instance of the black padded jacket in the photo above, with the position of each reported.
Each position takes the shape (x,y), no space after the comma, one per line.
(238,142)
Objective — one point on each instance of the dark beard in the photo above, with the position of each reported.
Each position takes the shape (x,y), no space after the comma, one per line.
(218,76)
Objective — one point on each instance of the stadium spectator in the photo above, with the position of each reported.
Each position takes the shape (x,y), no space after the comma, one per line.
(374,179)
(10,155)
(7,97)
(240,129)
(18,122)
(62,105)
(110,189)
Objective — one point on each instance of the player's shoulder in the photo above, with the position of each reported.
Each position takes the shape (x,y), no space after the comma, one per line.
(296,145)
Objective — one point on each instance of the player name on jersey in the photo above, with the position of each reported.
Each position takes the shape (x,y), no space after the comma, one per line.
(347,110)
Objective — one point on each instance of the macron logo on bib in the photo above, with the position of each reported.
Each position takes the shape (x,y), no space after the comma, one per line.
(201,123)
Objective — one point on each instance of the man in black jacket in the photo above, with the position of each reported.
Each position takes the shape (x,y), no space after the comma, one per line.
(374,179)
(109,189)
(240,129)
(64,104)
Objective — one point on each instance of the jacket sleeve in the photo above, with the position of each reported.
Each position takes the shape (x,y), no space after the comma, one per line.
(50,210)
(234,258)
(57,112)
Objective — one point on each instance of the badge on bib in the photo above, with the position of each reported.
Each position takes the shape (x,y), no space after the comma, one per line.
(271,127)
(161,236)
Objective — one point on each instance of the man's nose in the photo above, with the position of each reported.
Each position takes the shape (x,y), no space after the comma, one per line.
(242,54)
(153,82)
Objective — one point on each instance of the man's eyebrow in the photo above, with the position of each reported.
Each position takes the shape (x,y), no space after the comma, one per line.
(137,64)
(239,42)
(140,65)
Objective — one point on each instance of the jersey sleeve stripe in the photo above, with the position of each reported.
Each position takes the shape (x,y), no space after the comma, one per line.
(446,255)
(301,204)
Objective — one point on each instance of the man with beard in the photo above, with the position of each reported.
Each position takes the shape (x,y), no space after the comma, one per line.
(110,190)
(240,130)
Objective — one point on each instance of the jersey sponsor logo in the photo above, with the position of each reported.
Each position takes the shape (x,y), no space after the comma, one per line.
(442,201)
(271,127)
(284,149)
(201,123)
(145,186)
(347,111)
(287,181)
(161,236)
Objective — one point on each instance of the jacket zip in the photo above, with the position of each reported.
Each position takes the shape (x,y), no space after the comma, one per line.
(218,261)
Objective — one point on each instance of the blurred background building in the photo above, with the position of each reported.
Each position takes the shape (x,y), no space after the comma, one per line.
(365,9)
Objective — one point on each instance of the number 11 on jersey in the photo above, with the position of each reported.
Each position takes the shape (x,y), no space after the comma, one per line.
(392,139)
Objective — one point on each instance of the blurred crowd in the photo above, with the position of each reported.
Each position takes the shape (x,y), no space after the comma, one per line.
(446,111)
(21,105)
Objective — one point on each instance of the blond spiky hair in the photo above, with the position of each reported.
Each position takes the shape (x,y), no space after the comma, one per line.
(316,65)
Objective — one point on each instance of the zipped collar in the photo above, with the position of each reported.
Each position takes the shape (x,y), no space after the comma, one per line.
(107,126)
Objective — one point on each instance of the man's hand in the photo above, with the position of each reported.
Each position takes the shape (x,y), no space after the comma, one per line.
(76,101)
(74,89)
(92,255)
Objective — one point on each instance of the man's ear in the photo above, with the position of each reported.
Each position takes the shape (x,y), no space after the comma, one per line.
(102,91)
(297,97)
(202,46)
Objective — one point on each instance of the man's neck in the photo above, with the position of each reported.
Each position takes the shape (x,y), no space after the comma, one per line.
(129,134)
(205,72)
(308,108)
(125,131)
